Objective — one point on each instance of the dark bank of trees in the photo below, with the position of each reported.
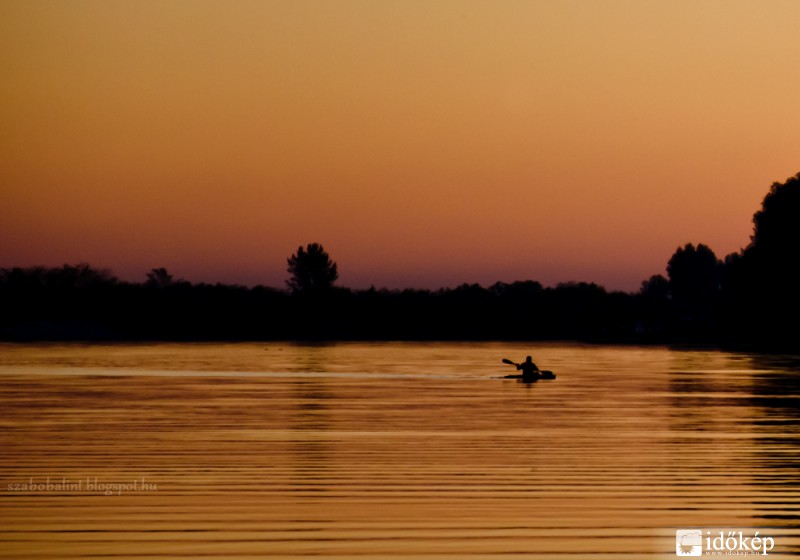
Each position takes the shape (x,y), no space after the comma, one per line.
(82,303)
(749,299)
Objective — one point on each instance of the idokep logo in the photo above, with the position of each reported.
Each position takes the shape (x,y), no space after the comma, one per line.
(689,542)
(722,542)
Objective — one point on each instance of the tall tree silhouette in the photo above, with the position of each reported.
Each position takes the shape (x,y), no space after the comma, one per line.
(694,277)
(694,284)
(776,227)
(762,296)
(312,270)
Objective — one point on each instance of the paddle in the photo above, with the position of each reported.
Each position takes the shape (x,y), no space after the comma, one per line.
(507,361)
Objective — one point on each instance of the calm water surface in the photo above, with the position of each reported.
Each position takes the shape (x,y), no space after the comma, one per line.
(394,451)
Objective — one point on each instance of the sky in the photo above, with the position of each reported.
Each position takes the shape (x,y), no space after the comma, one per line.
(424,143)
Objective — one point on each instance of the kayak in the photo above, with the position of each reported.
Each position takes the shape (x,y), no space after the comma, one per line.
(541,375)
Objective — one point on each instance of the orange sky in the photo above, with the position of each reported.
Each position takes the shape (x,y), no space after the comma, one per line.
(423,143)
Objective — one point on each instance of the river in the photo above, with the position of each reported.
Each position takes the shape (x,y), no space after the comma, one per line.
(392,450)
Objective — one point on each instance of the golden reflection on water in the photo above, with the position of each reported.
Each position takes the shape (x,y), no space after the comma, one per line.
(389,450)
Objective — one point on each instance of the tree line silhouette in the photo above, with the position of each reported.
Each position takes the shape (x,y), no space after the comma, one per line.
(749,300)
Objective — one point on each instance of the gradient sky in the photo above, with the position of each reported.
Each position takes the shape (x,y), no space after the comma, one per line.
(423,143)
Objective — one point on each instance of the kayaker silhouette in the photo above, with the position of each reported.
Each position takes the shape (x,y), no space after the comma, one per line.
(529,369)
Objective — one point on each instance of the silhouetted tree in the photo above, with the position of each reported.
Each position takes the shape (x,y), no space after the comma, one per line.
(776,227)
(694,278)
(762,300)
(312,270)
(159,278)
(655,288)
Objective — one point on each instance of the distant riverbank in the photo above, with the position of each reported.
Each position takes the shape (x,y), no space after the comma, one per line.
(81,303)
